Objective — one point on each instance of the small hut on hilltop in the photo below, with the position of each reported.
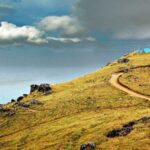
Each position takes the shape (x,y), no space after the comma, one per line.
(145,50)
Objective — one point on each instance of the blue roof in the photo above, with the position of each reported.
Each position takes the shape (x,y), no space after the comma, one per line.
(145,50)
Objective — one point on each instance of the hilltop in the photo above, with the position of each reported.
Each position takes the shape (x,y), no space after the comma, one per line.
(87,109)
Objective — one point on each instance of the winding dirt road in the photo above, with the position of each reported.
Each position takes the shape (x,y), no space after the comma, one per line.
(115,82)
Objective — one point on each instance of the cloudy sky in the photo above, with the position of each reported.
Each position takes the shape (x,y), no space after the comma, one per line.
(52,23)
(55,41)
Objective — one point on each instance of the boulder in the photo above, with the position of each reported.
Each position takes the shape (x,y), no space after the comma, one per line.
(34,87)
(35,102)
(25,95)
(89,146)
(123,60)
(12,100)
(127,128)
(23,104)
(44,88)
(20,98)
(120,132)
(27,105)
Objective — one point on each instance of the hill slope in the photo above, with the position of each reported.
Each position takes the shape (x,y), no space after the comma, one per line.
(80,111)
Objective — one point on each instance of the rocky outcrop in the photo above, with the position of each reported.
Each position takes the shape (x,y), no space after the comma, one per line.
(28,104)
(89,146)
(120,132)
(127,128)
(44,88)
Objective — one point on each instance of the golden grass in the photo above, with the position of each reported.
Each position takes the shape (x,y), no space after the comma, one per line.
(78,112)
(138,80)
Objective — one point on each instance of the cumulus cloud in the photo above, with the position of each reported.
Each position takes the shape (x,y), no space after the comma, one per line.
(10,33)
(66,24)
(124,19)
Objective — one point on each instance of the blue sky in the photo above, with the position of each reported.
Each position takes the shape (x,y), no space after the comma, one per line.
(28,12)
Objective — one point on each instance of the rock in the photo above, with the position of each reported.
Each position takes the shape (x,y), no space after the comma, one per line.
(123,60)
(124,69)
(143,120)
(34,87)
(12,100)
(120,132)
(127,128)
(89,146)
(21,104)
(130,124)
(108,64)
(44,88)
(20,98)
(47,93)
(27,105)
(35,102)
(25,95)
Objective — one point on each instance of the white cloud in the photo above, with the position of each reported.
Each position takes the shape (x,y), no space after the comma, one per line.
(65,40)
(11,33)
(71,40)
(91,39)
(67,24)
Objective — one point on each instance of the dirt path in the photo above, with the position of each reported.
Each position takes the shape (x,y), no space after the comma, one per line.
(115,82)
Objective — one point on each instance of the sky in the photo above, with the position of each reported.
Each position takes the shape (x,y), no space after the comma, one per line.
(56,41)
(52,23)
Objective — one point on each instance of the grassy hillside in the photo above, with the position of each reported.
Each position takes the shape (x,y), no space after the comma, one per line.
(141,79)
(80,111)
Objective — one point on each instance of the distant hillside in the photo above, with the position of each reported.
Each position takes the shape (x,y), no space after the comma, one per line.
(85,110)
